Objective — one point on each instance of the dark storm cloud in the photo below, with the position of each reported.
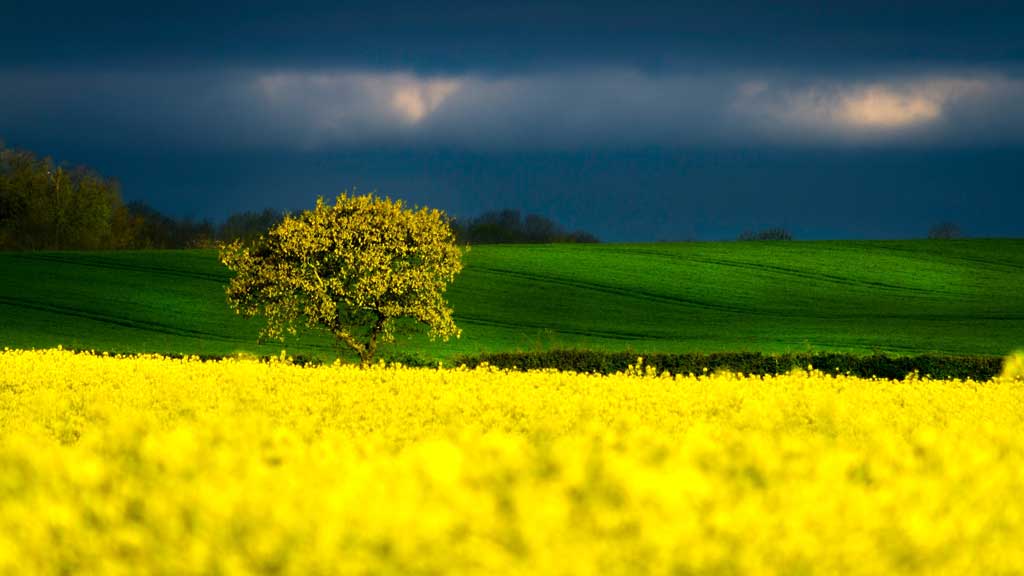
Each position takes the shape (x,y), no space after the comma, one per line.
(312,75)
(637,120)
(600,108)
(465,36)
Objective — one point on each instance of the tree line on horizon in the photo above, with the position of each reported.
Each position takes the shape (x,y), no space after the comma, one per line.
(511,227)
(48,206)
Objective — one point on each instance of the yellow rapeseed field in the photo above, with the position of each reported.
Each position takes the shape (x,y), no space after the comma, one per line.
(158,466)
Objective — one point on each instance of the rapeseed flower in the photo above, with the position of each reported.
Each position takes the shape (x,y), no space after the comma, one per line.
(175,466)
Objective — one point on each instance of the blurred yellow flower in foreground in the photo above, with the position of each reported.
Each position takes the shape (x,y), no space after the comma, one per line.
(1014,366)
(154,465)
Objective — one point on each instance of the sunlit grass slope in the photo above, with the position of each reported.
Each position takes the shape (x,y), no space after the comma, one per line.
(902,297)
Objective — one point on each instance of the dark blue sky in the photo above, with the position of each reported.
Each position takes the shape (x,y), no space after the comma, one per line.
(636,121)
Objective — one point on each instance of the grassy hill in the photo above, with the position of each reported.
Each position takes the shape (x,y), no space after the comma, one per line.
(959,296)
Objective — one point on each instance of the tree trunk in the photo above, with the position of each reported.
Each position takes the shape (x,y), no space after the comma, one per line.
(353,344)
(371,344)
(368,349)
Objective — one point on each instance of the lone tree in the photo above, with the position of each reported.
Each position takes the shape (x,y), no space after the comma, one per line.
(353,268)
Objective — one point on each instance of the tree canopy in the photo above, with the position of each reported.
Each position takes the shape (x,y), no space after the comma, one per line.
(510,227)
(46,206)
(353,268)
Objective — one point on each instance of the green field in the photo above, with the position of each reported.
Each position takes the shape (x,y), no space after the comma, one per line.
(904,297)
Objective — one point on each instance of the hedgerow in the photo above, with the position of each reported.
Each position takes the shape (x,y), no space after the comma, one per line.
(876,365)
